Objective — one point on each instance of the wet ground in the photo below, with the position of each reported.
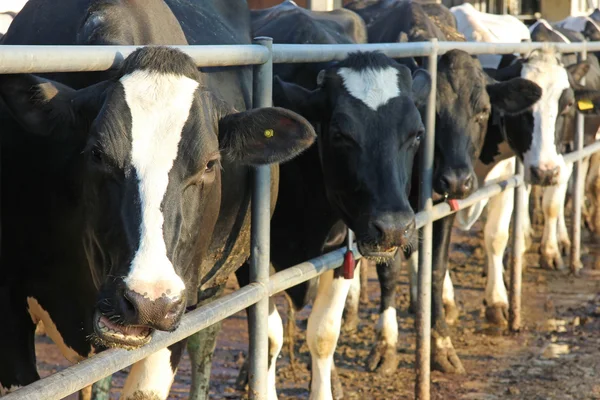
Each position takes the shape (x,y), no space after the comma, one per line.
(555,356)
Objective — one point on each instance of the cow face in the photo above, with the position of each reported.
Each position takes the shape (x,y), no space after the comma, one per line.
(370,130)
(152,145)
(465,99)
(537,136)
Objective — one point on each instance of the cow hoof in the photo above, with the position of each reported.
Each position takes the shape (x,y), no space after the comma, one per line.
(552,261)
(497,314)
(336,385)
(242,380)
(564,246)
(451,312)
(383,359)
(444,358)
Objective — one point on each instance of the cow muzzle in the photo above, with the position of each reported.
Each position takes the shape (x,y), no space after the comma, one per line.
(547,176)
(386,233)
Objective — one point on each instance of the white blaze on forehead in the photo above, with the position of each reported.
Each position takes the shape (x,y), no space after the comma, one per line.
(553,79)
(159,105)
(374,87)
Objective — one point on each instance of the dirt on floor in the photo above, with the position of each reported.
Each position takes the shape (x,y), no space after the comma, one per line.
(555,356)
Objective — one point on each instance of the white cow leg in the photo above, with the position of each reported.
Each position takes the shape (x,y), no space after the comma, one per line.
(553,204)
(275,329)
(322,334)
(450,309)
(150,378)
(496,233)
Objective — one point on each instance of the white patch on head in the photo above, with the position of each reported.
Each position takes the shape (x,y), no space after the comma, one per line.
(552,77)
(4,391)
(159,105)
(37,313)
(152,377)
(374,87)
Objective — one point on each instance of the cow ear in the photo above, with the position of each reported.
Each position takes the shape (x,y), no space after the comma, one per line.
(421,86)
(264,136)
(514,96)
(308,103)
(39,105)
(578,71)
(588,101)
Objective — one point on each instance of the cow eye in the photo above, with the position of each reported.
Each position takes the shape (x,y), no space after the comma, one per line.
(419,136)
(567,108)
(96,155)
(341,138)
(210,166)
(481,117)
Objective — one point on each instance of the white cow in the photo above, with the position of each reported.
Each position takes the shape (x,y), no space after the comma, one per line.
(8,9)
(489,28)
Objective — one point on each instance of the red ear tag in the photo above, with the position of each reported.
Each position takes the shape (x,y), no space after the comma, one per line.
(454,204)
(349,265)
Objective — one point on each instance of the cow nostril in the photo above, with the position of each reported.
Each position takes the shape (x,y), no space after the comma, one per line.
(174,307)
(127,306)
(468,184)
(379,230)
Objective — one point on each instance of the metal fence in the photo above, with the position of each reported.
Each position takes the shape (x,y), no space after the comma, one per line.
(262,54)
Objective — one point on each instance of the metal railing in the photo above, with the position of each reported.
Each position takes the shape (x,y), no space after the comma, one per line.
(40,59)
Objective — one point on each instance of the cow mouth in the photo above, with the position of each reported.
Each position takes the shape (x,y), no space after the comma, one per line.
(377,252)
(112,334)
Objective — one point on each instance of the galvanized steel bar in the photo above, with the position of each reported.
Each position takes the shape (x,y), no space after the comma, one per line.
(587,151)
(258,314)
(78,376)
(578,187)
(516,267)
(423,319)
(41,59)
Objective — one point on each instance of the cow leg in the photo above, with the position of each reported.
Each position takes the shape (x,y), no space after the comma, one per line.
(17,348)
(152,377)
(552,203)
(538,214)
(527,231)
(496,234)
(444,356)
(383,357)
(364,282)
(450,308)
(322,333)
(352,302)
(275,328)
(592,191)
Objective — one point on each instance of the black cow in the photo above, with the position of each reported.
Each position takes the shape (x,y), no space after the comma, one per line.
(466,100)
(358,175)
(126,196)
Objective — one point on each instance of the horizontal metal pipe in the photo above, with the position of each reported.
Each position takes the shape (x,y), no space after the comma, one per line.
(442,210)
(78,376)
(41,59)
(587,151)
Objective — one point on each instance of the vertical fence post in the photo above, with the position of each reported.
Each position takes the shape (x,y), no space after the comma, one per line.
(423,320)
(516,267)
(578,183)
(260,241)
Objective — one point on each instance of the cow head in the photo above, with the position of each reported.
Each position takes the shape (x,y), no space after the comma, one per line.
(537,135)
(149,148)
(370,130)
(465,98)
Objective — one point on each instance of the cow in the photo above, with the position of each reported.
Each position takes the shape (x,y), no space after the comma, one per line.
(467,99)
(533,137)
(544,32)
(358,175)
(124,197)
(478,26)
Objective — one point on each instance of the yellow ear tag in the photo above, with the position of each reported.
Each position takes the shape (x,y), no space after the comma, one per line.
(269,133)
(584,105)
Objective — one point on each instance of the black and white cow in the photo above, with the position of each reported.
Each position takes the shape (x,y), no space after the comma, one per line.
(466,100)
(122,198)
(358,174)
